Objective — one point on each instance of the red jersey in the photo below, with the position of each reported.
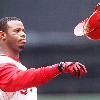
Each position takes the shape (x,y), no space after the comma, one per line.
(19,83)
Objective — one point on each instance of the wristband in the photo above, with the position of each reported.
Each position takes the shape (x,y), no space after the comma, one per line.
(61,66)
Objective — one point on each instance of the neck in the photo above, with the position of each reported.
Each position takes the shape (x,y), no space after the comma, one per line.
(12,53)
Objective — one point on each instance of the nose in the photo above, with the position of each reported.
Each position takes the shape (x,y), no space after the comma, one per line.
(23,34)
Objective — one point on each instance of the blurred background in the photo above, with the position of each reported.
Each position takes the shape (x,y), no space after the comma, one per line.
(49,26)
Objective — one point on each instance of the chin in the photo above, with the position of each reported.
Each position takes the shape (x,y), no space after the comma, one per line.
(21,48)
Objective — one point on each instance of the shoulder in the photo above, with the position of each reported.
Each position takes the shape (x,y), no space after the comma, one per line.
(5,60)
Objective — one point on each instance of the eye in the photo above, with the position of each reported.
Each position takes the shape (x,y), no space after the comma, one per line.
(17,30)
(23,30)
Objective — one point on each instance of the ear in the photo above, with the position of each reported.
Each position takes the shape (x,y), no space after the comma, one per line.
(2,35)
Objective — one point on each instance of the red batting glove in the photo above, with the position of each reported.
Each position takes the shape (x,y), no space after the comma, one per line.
(74,68)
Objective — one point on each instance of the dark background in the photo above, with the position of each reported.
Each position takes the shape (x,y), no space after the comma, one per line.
(49,26)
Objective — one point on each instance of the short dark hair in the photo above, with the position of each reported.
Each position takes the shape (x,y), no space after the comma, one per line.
(3,22)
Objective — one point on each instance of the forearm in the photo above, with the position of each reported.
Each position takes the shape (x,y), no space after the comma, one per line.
(15,79)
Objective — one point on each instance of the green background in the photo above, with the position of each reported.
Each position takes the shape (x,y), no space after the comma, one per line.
(70,97)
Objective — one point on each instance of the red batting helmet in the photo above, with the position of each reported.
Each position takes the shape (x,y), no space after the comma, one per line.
(90,26)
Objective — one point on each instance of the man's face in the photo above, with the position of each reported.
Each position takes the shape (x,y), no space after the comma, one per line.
(15,36)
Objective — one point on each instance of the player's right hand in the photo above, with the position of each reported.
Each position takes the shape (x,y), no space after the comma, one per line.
(74,68)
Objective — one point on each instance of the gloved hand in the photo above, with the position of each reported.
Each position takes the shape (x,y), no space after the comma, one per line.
(74,68)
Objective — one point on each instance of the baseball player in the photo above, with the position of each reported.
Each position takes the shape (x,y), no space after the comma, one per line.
(16,81)
(90,27)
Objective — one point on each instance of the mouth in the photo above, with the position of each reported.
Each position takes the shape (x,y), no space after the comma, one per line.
(23,41)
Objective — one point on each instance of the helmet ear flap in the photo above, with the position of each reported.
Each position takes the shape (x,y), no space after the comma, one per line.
(79,29)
